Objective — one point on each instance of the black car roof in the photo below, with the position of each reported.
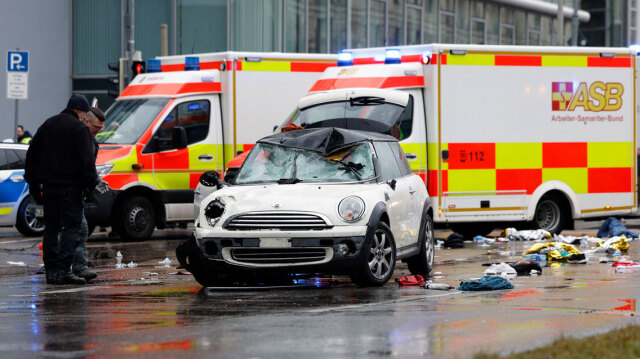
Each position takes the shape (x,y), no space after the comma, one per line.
(324,140)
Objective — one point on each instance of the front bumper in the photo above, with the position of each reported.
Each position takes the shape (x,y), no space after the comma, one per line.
(331,251)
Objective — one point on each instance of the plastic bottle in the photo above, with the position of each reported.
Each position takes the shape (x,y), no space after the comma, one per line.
(438,286)
(538,258)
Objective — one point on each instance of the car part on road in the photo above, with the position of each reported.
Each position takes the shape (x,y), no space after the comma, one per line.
(27,222)
(380,261)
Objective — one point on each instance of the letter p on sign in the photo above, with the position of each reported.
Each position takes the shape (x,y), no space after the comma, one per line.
(17,61)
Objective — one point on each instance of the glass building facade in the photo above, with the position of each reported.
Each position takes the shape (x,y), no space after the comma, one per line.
(322,26)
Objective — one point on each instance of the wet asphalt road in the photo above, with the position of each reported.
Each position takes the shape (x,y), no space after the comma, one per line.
(152,310)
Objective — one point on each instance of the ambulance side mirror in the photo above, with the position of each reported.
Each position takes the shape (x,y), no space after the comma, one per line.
(179,136)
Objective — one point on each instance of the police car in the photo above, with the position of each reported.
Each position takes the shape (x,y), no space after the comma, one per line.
(16,207)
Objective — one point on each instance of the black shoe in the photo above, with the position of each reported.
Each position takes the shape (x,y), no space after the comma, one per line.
(69,278)
(51,277)
(86,274)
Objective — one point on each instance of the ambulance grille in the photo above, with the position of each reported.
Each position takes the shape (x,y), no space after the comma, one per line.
(278,255)
(277,220)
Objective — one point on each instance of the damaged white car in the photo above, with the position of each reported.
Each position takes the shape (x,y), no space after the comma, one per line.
(323,200)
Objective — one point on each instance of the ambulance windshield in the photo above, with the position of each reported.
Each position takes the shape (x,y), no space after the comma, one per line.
(127,120)
(365,113)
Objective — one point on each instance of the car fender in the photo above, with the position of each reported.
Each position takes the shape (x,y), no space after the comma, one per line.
(376,213)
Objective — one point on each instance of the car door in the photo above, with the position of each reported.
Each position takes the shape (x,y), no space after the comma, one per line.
(417,191)
(398,202)
(12,184)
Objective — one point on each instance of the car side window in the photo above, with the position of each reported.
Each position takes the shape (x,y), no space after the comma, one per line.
(388,165)
(3,161)
(23,155)
(13,161)
(405,168)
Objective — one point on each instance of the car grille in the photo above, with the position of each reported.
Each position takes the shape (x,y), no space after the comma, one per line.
(278,255)
(277,220)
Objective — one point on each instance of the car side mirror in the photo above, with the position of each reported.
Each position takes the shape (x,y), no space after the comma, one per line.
(210,179)
(392,184)
(179,137)
(275,128)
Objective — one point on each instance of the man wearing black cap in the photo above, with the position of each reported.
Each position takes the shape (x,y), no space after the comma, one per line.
(60,165)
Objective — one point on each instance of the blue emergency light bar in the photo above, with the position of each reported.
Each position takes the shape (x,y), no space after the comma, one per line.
(153,65)
(191,63)
(393,56)
(345,58)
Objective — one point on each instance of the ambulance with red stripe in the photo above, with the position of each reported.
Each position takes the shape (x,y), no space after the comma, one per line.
(185,116)
(544,135)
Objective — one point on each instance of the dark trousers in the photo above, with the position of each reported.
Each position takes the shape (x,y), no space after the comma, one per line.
(63,211)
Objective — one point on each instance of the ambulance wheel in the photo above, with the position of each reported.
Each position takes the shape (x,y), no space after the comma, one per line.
(551,213)
(380,259)
(136,219)
(422,263)
(26,221)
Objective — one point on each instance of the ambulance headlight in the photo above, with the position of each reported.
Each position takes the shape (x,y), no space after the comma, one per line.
(393,57)
(213,212)
(351,209)
(104,170)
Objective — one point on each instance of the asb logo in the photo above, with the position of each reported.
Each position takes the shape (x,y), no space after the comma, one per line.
(598,96)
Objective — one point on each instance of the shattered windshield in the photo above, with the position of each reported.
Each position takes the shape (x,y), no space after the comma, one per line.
(366,113)
(127,120)
(288,165)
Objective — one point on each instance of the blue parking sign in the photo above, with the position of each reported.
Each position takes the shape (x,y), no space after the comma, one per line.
(18,61)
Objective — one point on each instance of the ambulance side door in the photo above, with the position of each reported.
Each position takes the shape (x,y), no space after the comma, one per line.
(183,147)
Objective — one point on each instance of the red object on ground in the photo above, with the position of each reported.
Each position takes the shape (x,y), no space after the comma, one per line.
(411,280)
(625,264)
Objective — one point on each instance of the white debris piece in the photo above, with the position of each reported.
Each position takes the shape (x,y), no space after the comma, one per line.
(132,265)
(501,269)
(166,262)
(19,264)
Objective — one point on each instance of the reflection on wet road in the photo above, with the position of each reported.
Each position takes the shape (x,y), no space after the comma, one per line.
(134,313)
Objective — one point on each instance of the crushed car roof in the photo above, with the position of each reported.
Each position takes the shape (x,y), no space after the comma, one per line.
(324,140)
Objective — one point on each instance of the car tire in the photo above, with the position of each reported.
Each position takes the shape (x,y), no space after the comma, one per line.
(379,258)
(190,256)
(26,222)
(135,219)
(422,263)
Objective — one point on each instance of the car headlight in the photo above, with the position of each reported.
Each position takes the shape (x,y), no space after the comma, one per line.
(351,209)
(104,170)
(213,212)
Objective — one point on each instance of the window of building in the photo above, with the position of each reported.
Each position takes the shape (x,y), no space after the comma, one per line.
(413,22)
(202,26)
(318,26)
(358,24)
(507,29)
(462,22)
(493,24)
(546,31)
(378,23)
(521,27)
(533,29)
(338,25)
(96,37)
(295,26)
(447,21)
(430,25)
(395,27)
(477,22)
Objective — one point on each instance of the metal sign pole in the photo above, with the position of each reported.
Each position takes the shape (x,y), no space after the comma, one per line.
(15,125)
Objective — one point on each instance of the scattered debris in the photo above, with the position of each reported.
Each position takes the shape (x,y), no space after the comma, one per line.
(411,280)
(132,265)
(151,274)
(557,251)
(180,273)
(455,240)
(612,227)
(525,235)
(18,264)
(166,263)
(438,286)
(486,283)
(502,270)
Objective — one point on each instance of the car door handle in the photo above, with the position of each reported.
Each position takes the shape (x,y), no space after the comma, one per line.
(411,190)
(16,178)
(206,157)
(411,156)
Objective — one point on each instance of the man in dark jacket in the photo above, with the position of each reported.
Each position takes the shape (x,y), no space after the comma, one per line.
(59,166)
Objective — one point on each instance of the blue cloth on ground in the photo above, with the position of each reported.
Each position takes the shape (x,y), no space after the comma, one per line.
(612,227)
(486,283)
